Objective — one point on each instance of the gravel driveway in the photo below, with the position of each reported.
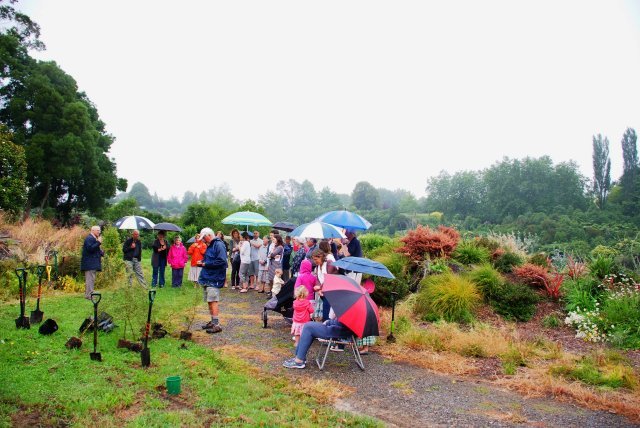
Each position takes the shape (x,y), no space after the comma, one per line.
(398,394)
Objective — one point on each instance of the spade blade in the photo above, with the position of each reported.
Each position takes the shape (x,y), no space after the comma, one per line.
(145,355)
(36,317)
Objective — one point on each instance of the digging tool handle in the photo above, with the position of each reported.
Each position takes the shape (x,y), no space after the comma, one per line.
(41,269)
(152,297)
(95,299)
(21,273)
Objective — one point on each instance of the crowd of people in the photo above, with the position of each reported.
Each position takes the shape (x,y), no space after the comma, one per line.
(260,265)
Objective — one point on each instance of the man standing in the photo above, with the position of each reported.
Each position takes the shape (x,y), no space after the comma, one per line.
(212,276)
(91,260)
(255,243)
(132,251)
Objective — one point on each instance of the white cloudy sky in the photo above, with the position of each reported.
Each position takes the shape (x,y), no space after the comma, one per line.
(342,91)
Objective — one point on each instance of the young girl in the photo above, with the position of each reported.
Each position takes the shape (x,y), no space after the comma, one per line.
(278,282)
(177,258)
(302,310)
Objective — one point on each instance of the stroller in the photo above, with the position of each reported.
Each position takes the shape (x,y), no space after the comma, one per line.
(282,303)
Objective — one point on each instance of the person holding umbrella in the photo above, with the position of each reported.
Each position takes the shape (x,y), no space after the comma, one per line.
(132,254)
(315,330)
(159,259)
(212,276)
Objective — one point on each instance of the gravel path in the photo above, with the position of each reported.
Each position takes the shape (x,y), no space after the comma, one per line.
(398,394)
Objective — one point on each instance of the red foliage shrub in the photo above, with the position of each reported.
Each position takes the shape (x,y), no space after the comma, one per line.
(552,284)
(423,242)
(531,274)
(575,269)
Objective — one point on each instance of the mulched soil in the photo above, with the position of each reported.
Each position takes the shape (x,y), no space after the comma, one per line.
(396,393)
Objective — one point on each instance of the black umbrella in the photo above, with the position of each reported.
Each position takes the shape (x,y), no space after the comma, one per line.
(168,227)
(283,225)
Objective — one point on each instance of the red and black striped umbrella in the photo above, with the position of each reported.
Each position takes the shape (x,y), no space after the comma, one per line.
(352,304)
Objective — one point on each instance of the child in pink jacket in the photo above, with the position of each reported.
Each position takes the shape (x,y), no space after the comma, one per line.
(177,258)
(306,278)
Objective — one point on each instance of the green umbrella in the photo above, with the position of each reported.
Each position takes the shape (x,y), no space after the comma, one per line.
(247,218)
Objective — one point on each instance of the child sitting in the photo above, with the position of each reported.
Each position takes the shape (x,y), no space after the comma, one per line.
(277,286)
(302,310)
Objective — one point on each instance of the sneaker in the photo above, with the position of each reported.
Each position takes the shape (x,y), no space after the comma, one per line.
(215,329)
(336,348)
(207,325)
(269,295)
(292,364)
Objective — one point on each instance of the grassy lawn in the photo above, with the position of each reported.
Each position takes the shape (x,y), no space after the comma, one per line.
(43,383)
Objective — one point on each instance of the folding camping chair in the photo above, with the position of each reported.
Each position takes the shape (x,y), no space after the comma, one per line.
(321,357)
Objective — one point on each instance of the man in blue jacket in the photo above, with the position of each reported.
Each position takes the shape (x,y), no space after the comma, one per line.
(91,261)
(212,276)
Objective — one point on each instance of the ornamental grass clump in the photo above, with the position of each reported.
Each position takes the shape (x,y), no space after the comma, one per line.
(488,280)
(448,296)
(469,253)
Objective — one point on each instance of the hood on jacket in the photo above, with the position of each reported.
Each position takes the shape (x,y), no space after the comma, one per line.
(305,266)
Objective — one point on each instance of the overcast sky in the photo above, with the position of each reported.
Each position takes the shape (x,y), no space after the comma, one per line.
(338,92)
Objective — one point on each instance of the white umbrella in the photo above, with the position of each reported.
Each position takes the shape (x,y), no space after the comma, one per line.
(134,222)
(317,230)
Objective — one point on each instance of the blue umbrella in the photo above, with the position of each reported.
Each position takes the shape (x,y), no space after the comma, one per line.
(345,219)
(247,218)
(364,265)
(318,230)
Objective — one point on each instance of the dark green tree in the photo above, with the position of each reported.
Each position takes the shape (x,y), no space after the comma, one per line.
(13,175)
(141,194)
(365,196)
(630,162)
(601,170)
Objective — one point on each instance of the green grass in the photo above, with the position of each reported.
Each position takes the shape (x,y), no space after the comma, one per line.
(603,374)
(44,381)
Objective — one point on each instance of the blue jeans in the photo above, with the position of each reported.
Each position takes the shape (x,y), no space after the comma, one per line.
(158,271)
(311,331)
(326,307)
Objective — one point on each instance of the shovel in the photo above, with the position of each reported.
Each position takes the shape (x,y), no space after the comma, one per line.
(48,276)
(145,355)
(391,338)
(36,316)
(22,321)
(95,299)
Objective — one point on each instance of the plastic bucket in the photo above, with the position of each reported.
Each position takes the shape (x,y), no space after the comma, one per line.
(173,385)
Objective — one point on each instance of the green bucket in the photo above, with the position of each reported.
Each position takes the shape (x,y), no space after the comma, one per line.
(173,385)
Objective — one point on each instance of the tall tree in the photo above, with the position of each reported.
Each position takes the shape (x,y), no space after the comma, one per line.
(601,169)
(64,139)
(365,196)
(630,160)
(141,194)
(13,175)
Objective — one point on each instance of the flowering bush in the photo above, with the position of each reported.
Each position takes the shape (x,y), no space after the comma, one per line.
(589,325)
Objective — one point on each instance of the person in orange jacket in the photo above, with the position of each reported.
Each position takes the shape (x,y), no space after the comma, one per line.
(196,251)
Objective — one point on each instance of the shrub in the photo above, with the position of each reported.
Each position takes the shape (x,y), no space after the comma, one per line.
(372,241)
(602,266)
(69,266)
(622,317)
(488,280)
(580,293)
(397,265)
(450,297)
(515,302)
(540,259)
(423,241)
(468,253)
(531,274)
(575,269)
(439,266)
(505,262)
(113,270)
(604,251)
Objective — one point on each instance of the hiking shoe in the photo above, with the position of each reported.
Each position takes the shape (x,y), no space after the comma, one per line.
(292,364)
(215,329)
(207,325)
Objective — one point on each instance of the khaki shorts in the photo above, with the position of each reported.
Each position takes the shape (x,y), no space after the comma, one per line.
(211,294)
